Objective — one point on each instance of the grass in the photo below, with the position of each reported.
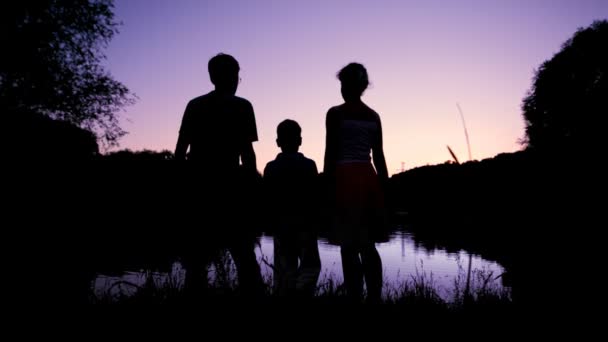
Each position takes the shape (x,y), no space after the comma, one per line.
(418,292)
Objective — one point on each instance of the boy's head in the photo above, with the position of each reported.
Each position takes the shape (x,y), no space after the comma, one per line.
(224,73)
(289,136)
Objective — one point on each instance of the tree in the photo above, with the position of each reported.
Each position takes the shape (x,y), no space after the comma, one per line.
(139,156)
(50,64)
(568,101)
(35,137)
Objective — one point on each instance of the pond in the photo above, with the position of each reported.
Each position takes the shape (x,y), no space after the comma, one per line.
(404,261)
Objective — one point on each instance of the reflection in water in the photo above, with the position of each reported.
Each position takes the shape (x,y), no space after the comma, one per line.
(402,259)
(131,282)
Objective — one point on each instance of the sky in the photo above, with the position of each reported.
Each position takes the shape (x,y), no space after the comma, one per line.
(423,58)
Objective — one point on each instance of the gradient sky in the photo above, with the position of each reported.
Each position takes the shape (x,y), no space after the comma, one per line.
(423,57)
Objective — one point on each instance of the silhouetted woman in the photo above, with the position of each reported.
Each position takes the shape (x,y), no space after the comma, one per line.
(354,132)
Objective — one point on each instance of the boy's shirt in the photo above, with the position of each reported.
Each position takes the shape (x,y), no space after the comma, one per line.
(290,182)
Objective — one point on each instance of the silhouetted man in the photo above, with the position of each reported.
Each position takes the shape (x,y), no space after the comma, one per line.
(219,128)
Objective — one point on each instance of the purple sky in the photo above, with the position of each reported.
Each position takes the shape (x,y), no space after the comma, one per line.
(423,57)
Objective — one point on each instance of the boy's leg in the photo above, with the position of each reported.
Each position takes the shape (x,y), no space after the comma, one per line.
(310,264)
(285,265)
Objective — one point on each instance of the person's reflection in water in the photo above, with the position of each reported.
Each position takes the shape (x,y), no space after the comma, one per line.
(219,129)
(353,131)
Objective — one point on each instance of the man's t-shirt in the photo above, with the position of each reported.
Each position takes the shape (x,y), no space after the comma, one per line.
(216,128)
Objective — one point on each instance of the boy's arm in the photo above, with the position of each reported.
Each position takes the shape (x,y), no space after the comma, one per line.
(314,172)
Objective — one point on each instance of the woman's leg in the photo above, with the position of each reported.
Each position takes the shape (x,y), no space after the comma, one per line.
(372,269)
(353,273)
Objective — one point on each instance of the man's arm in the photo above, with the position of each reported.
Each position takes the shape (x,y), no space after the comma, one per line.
(250,134)
(183,140)
(248,157)
(181,148)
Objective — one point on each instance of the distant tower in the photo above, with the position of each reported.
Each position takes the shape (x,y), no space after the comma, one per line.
(402,169)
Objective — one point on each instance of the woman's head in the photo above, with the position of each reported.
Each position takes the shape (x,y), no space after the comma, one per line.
(354,81)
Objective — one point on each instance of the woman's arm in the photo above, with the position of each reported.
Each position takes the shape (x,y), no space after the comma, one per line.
(329,163)
(378,155)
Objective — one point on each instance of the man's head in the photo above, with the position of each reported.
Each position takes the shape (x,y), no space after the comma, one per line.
(224,73)
(289,136)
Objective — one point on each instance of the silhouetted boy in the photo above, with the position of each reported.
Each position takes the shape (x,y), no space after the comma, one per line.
(290,182)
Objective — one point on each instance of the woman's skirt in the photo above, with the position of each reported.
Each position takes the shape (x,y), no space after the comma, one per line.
(359,217)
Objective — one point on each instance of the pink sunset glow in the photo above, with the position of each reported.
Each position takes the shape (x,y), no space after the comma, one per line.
(423,58)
